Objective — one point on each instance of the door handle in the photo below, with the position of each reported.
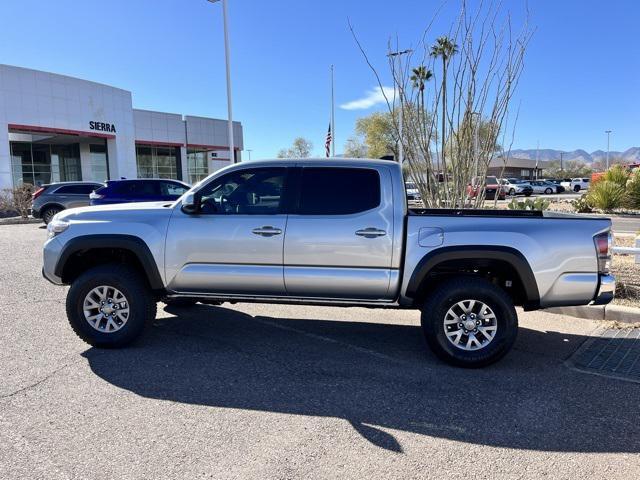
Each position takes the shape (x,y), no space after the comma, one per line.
(266,231)
(370,232)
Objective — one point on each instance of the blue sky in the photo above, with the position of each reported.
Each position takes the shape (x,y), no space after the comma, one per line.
(582,72)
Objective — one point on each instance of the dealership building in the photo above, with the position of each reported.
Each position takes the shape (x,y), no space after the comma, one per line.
(58,128)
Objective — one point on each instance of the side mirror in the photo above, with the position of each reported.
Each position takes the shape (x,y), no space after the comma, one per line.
(191,203)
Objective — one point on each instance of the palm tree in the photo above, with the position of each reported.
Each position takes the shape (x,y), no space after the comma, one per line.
(420,76)
(444,48)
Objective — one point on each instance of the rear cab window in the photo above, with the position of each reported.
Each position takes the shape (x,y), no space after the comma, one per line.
(338,190)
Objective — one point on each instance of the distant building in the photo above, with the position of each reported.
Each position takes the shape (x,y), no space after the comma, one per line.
(55,128)
(516,168)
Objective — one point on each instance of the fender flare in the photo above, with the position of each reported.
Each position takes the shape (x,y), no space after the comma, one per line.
(486,252)
(126,242)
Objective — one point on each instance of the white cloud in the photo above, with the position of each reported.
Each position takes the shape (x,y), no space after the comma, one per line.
(371,98)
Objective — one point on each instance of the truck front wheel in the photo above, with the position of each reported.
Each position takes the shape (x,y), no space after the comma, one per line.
(108,306)
(469,322)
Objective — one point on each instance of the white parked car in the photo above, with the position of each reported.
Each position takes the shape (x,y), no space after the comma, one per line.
(578,184)
(566,183)
(516,187)
(412,190)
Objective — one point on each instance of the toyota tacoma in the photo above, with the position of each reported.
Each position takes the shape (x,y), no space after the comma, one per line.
(325,232)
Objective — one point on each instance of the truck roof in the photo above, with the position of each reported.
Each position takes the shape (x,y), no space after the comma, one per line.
(333,161)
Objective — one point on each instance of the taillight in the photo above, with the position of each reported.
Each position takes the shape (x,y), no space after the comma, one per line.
(603,242)
(37,193)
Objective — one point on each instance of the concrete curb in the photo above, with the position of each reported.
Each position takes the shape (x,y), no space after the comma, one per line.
(18,220)
(616,313)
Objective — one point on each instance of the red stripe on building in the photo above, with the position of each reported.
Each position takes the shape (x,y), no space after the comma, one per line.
(61,131)
(158,144)
(211,147)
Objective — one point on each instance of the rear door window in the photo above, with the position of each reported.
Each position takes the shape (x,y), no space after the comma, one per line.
(338,191)
(75,190)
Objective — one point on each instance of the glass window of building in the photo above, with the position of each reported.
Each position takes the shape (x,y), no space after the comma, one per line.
(158,162)
(65,163)
(197,167)
(40,163)
(97,169)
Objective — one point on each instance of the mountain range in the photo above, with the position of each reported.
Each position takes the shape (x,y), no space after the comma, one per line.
(547,154)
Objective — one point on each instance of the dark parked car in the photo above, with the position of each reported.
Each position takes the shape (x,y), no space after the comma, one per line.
(139,190)
(52,198)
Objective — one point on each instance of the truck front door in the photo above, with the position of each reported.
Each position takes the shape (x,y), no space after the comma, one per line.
(234,244)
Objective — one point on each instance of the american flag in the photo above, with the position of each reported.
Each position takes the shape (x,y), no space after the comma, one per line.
(327,143)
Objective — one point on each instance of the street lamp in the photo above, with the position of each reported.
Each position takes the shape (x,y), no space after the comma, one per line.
(249,150)
(227,58)
(608,132)
(400,122)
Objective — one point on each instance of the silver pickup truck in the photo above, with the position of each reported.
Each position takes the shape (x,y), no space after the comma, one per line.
(325,232)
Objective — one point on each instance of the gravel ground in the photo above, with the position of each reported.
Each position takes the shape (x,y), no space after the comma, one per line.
(270,391)
(627,274)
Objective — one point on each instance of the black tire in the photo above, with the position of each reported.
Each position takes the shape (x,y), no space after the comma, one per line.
(179,302)
(459,289)
(49,212)
(548,191)
(142,304)
(528,194)
(576,188)
(512,192)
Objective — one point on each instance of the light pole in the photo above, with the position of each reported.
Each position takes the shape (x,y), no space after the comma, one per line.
(227,58)
(249,152)
(608,132)
(400,120)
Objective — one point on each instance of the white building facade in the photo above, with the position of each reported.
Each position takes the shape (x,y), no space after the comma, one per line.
(58,128)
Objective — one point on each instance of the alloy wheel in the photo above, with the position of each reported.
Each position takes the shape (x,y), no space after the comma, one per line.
(106,309)
(470,325)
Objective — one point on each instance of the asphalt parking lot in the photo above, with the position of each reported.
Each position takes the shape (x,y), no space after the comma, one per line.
(266,391)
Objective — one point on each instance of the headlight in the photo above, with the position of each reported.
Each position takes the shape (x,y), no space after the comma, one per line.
(56,226)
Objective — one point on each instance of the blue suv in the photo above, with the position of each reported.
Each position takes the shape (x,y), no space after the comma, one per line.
(139,190)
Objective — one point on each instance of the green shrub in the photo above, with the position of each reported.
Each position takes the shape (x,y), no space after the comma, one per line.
(606,195)
(617,174)
(633,191)
(528,204)
(582,205)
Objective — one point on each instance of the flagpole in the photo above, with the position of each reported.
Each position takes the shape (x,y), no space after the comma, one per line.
(333,125)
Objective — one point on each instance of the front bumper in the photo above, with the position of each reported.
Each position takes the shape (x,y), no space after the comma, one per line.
(606,290)
(51,254)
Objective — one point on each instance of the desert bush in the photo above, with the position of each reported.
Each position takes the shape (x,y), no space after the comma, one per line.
(617,174)
(606,195)
(17,199)
(528,204)
(582,205)
(633,191)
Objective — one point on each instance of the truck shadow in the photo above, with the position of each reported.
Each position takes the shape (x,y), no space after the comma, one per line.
(379,378)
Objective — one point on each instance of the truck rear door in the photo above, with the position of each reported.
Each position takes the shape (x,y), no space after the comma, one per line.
(339,237)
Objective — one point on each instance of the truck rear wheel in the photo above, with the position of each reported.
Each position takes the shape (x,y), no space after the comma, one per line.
(469,322)
(108,306)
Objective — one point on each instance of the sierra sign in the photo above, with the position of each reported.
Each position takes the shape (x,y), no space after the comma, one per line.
(103,127)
